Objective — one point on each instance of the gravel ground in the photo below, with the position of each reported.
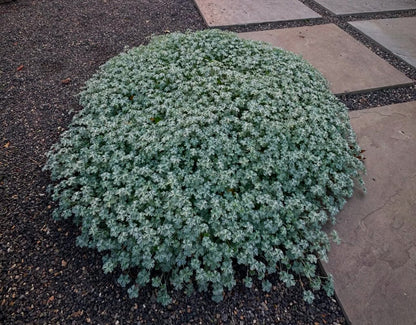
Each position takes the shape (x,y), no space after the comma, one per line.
(48,49)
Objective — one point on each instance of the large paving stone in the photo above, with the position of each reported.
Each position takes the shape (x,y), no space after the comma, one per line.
(398,35)
(347,64)
(240,12)
(345,7)
(374,267)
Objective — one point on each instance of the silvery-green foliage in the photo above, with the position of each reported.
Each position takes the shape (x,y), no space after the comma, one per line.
(201,151)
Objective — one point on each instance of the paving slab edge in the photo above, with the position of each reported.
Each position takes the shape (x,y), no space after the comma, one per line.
(354,13)
(200,13)
(369,90)
(321,268)
(264,22)
(364,13)
(378,43)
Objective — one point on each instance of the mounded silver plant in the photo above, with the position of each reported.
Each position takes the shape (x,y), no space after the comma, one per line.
(203,151)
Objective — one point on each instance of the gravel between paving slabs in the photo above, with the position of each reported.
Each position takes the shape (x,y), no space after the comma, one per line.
(48,49)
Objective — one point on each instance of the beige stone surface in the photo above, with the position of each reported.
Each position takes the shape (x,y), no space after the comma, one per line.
(347,64)
(343,7)
(398,35)
(375,266)
(241,12)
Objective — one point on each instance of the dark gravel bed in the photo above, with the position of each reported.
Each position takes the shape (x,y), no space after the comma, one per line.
(48,49)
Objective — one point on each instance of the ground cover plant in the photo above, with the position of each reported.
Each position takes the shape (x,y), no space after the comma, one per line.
(200,152)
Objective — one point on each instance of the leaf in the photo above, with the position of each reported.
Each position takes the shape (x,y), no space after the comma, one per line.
(163,296)
(248,282)
(124,280)
(308,296)
(156,119)
(266,285)
(7,145)
(133,291)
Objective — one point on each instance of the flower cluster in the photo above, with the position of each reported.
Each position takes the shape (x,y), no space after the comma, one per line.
(203,151)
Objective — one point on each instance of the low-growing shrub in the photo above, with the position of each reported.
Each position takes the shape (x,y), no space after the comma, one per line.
(200,152)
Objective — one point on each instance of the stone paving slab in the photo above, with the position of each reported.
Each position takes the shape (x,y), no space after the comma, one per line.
(397,35)
(347,64)
(241,12)
(345,7)
(374,267)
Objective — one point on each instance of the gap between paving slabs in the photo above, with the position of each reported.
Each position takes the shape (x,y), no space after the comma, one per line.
(343,7)
(396,35)
(348,65)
